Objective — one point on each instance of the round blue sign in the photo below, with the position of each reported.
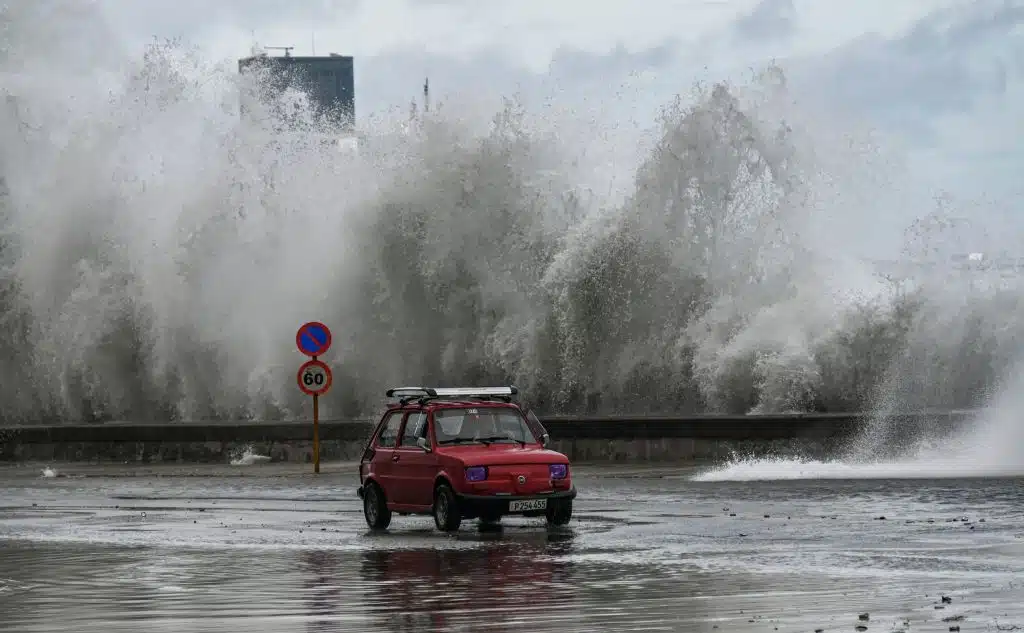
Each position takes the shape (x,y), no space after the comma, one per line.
(313,338)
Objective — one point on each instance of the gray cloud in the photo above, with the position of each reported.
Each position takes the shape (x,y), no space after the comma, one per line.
(946,64)
(770,19)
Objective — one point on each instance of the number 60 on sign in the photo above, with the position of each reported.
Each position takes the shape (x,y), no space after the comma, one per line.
(314,378)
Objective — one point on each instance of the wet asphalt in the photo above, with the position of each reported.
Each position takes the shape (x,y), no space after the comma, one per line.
(273,547)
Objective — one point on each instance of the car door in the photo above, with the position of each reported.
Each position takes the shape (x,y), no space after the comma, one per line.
(414,469)
(384,454)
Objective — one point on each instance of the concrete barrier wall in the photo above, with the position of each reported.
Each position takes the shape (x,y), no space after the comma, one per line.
(583,439)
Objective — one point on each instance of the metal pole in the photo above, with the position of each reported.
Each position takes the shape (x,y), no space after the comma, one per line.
(316,434)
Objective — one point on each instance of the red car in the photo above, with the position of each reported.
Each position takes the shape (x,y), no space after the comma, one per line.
(462,453)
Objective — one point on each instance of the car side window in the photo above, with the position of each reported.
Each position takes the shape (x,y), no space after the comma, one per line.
(389,434)
(415,428)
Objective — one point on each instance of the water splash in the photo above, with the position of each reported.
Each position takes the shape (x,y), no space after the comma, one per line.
(972,456)
(248,457)
(159,251)
(979,327)
(991,446)
(792,469)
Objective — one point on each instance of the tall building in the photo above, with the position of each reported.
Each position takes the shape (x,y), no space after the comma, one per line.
(328,82)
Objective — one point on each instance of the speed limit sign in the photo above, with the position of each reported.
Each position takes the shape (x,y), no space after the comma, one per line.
(314,378)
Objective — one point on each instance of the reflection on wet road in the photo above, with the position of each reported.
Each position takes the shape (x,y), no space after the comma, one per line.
(273,548)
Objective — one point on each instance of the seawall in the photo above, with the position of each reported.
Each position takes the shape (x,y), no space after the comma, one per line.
(583,439)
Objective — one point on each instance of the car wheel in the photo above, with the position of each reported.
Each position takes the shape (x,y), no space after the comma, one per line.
(447,516)
(559,511)
(375,508)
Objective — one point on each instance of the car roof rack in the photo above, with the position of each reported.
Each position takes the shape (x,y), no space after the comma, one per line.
(425,394)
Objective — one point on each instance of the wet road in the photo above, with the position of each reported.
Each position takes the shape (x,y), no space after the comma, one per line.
(274,548)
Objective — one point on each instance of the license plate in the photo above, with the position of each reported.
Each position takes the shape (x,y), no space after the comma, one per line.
(527,505)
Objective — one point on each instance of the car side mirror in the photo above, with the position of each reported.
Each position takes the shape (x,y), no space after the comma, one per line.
(545,439)
(422,443)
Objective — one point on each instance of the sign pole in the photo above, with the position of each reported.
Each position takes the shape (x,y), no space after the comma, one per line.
(314,377)
(316,431)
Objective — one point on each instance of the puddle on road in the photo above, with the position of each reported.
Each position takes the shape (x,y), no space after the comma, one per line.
(228,555)
(498,586)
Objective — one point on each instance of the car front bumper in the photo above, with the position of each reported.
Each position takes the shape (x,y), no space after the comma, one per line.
(499,504)
(476,505)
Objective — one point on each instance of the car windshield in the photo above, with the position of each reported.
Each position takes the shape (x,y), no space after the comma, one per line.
(481,424)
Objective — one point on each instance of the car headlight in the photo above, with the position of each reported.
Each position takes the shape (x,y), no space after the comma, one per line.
(558,471)
(476,473)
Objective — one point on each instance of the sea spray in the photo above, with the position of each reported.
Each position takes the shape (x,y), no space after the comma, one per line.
(160,249)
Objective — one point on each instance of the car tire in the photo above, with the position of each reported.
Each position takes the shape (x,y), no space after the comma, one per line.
(447,516)
(375,508)
(559,511)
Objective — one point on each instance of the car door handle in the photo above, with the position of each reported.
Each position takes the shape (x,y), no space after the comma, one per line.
(394,458)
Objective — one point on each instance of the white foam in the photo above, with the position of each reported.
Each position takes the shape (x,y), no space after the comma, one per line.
(249,457)
(990,446)
(792,469)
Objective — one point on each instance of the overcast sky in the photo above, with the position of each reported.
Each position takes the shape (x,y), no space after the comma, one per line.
(931,69)
(941,77)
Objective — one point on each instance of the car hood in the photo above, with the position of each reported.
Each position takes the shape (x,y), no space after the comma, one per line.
(497,454)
